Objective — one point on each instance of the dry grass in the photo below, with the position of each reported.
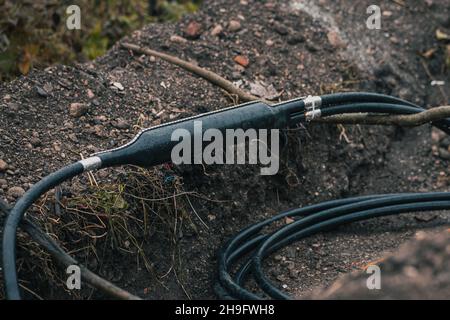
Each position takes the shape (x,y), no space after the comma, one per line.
(100,219)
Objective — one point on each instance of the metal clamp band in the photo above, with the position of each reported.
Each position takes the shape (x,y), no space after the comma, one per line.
(312,107)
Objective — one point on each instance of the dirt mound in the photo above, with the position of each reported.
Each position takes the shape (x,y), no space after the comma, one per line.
(51,117)
(419,270)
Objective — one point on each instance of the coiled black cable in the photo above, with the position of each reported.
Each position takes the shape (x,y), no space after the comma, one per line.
(308,221)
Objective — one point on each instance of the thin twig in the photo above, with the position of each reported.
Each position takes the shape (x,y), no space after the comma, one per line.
(58,201)
(195,211)
(30,291)
(62,257)
(212,77)
(410,120)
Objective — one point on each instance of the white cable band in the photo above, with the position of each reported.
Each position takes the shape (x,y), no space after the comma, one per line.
(310,115)
(91,163)
(312,107)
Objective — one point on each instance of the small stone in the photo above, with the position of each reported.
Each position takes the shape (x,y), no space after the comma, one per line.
(425,217)
(280,29)
(120,124)
(434,150)
(295,39)
(437,135)
(35,142)
(242,60)
(312,47)
(3,165)
(234,25)
(177,39)
(73,137)
(57,146)
(394,40)
(16,192)
(78,109)
(100,118)
(444,154)
(269,42)
(3,183)
(193,30)
(335,40)
(40,91)
(118,85)
(90,94)
(217,30)
(98,130)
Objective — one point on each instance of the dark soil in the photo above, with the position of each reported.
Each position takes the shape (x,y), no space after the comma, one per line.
(287,47)
(419,270)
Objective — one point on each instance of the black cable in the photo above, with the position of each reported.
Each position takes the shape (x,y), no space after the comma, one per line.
(300,229)
(361,97)
(371,107)
(16,215)
(313,219)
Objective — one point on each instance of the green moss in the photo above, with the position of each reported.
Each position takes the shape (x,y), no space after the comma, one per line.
(95,44)
(38,35)
(173,11)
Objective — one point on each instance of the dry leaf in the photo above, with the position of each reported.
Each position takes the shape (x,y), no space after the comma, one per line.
(262,90)
(24,64)
(289,220)
(440,35)
(429,53)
